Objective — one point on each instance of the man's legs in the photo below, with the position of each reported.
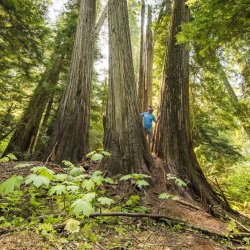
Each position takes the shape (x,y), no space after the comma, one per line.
(149,134)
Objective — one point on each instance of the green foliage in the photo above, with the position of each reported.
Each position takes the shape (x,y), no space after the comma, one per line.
(166,196)
(98,155)
(37,180)
(177,181)
(22,165)
(8,158)
(105,201)
(72,225)
(138,179)
(232,227)
(67,164)
(82,207)
(59,189)
(133,200)
(44,171)
(10,184)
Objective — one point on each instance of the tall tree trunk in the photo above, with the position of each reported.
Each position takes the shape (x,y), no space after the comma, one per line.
(101,19)
(172,140)
(149,61)
(25,135)
(141,80)
(146,62)
(70,139)
(243,115)
(124,137)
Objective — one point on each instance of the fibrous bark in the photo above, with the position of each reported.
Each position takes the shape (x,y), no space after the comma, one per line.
(124,137)
(149,61)
(70,139)
(141,80)
(172,140)
(146,62)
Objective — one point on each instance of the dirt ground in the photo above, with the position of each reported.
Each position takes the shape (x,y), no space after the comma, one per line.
(155,237)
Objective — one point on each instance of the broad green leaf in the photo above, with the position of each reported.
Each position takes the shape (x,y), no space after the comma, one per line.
(11,156)
(105,201)
(89,196)
(23,165)
(133,200)
(88,185)
(97,173)
(90,154)
(61,177)
(10,184)
(43,171)
(4,159)
(126,177)
(180,183)
(37,180)
(109,181)
(164,196)
(72,225)
(68,164)
(82,207)
(75,171)
(73,189)
(80,177)
(98,180)
(106,153)
(59,189)
(141,183)
(97,157)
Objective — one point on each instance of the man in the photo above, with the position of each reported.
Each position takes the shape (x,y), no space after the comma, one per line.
(148,119)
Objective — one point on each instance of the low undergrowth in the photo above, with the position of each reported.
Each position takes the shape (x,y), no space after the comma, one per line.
(58,206)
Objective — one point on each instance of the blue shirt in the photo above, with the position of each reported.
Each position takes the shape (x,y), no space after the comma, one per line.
(148,118)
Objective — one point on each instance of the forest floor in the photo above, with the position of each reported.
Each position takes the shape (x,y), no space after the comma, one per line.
(206,232)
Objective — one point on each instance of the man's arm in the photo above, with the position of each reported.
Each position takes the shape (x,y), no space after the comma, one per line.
(157,119)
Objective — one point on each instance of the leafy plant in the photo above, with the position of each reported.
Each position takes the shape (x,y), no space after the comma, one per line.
(177,181)
(10,184)
(98,155)
(9,157)
(138,179)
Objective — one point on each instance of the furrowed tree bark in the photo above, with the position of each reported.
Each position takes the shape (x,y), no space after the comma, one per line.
(124,136)
(146,62)
(172,140)
(149,61)
(141,80)
(25,135)
(70,139)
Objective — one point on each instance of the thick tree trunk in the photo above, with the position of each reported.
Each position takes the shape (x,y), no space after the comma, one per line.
(172,140)
(25,135)
(70,139)
(124,137)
